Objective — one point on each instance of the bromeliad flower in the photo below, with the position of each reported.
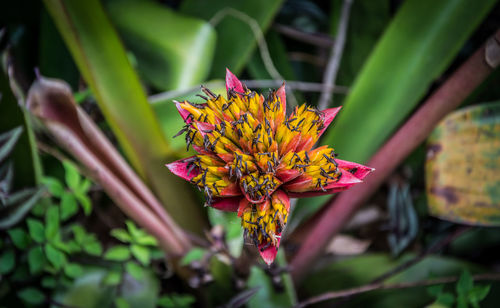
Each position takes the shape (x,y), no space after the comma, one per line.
(253,158)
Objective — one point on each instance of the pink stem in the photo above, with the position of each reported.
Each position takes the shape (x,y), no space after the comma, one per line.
(448,97)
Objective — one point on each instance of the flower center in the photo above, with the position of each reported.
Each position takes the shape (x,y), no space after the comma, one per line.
(257,186)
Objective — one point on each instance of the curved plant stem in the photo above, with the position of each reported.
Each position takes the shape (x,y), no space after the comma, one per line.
(380,286)
(449,96)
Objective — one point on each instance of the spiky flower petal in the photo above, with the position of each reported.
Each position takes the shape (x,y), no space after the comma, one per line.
(252,158)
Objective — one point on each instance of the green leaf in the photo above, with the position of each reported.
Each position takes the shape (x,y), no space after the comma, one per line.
(232,33)
(112,278)
(121,235)
(71,175)
(399,71)
(133,230)
(465,283)
(120,302)
(31,296)
(103,63)
(36,230)
(84,201)
(73,270)
(79,233)
(93,248)
(194,254)
(478,293)
(7,261)
(68,206)
(471,136)
(163,42)
(435,290)
(446,299)
(52,223)
(53,185)
(134,270)
(141,253)
(55,256)
(85,186)
(147,240)
(36,259)
(118,253)
(19,237)
(49,282)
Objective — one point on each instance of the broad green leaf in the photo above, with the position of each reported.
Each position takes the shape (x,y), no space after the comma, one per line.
(54,186)
(134,269)
(69,207)
(79,233)
(112,278)
(195,254)
(478,293)
(407,59)
(73,270)
(357,271)
(465,283)
(173,51)
(31,296)
(93,247)
(52,223)
(133,230)
(19,237)
(117,253)
(235,39)
(462,168)
(84,201)
(147,240)
(141,253)
(49,282)
(121,235)
(102,60)
(36,259)
(120,302)
(7,261)
(71,175)
(55,256)
(36,230)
